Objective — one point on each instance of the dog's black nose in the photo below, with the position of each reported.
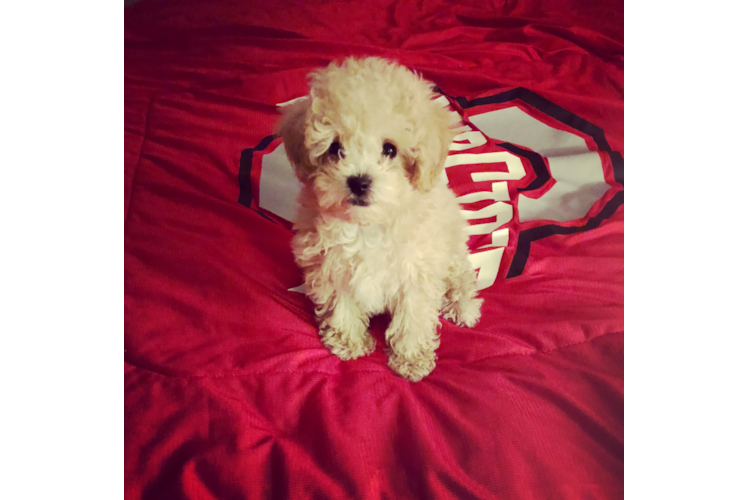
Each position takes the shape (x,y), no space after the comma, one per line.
(359,184)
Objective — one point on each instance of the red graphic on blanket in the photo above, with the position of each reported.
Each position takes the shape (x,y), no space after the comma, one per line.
(522,168)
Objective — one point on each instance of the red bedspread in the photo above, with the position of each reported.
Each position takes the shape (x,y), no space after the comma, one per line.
(229,393)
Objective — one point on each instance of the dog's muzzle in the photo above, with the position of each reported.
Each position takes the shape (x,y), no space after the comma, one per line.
(360,187)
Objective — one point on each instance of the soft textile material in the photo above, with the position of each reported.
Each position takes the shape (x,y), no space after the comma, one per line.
(229,392)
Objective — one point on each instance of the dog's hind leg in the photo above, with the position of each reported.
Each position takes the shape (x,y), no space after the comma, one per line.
(460,304)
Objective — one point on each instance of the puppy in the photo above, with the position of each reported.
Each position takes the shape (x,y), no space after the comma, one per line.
(377,231)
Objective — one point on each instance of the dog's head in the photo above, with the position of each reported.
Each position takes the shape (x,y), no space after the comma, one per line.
(367,138)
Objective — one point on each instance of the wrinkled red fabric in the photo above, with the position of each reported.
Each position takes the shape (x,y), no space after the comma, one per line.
(229,393)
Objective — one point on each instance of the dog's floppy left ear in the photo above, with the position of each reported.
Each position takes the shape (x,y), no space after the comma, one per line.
(292,128)
(430,152)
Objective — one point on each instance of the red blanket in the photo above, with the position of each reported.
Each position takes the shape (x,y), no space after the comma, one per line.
(229,393)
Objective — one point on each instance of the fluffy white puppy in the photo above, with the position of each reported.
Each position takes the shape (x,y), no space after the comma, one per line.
(377,231)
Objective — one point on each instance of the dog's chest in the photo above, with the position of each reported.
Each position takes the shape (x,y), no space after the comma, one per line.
(374,275)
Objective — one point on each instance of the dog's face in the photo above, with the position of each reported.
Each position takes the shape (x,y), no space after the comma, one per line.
(367,138)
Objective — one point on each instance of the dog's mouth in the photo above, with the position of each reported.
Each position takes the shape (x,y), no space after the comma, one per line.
(359,201)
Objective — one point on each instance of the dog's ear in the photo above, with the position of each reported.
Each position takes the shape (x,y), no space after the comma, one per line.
(292,128)
(427,157)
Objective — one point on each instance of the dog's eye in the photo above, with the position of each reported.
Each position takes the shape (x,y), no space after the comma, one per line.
(389,149)
(336,150)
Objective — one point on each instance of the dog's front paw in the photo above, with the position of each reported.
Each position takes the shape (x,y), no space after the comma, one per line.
(464,312)
(347,346)
(413,368)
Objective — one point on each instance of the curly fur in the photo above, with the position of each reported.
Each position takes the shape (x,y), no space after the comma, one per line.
(405,251)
